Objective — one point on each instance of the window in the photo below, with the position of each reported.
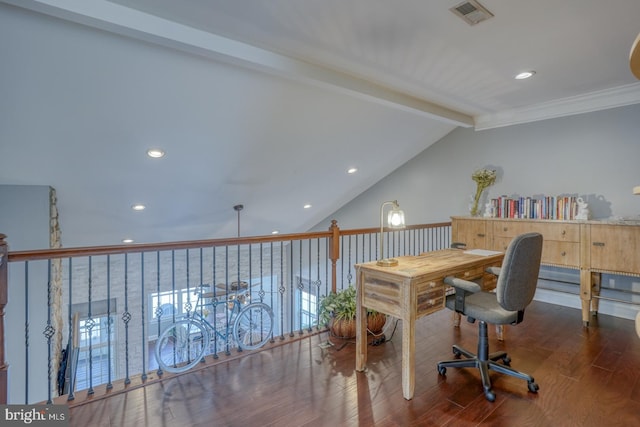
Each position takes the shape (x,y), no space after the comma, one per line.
(96,338)
(306,304)
(308,309)
(171,302)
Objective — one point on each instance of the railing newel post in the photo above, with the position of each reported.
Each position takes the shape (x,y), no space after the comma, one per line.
(4,290)
(334,252)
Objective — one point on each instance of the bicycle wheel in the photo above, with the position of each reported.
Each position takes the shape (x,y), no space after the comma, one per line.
(181,346)
(253,326)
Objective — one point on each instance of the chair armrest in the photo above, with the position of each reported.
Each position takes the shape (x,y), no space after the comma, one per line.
(462,287)
(462,284)
(493,270)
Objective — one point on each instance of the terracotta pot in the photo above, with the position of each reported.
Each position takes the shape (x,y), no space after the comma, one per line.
(375,322)
(346,328)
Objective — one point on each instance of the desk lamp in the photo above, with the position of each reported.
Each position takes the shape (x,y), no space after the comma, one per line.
(395,220)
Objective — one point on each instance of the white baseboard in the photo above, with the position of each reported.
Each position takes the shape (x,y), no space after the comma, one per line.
(612,308)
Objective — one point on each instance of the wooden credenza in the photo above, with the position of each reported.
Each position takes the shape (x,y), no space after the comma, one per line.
(592,247)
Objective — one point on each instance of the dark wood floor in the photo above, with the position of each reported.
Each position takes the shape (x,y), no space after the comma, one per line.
(587,377)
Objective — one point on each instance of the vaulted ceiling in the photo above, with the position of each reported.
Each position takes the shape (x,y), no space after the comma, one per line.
(268,103)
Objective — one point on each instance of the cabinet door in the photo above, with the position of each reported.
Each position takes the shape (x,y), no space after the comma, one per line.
(472,232)
(614,248)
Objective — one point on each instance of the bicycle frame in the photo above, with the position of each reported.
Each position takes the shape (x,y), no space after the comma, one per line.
(232,306)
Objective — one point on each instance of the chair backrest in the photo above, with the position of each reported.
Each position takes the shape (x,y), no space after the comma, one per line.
(519,272)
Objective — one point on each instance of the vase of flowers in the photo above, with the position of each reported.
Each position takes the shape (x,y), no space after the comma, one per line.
(484,178)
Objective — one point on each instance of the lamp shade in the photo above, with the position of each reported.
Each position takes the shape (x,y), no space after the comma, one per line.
(395,219)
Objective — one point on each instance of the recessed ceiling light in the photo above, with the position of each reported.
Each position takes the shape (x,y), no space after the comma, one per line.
(307,206)
(275,232)
(138,207)
(127,240)
(524,75)
(352,170)
(155,153)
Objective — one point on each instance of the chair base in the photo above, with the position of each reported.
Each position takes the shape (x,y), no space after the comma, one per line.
(486,362)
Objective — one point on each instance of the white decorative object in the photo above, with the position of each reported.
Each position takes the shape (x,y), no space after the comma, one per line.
(583,209)
(488,210)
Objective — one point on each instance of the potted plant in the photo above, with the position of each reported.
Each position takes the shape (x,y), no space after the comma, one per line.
(338,311)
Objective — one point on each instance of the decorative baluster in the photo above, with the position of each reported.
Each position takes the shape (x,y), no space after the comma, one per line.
(143,377)
(126,318)
(272,296)
(299,285)
(215,306)
(281,290)
(49,332)
(89,325)
(26,332)
(109,324)
(71,384)
(158,311)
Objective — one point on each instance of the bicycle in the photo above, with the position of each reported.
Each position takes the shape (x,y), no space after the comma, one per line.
(184,343)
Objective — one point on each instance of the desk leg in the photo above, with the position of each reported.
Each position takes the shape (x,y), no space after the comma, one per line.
(361,329)
(408,357)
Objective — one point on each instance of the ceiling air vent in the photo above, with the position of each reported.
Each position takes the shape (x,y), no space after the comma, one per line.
(472,12)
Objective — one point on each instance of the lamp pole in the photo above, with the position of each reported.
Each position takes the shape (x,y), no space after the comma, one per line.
(396,221)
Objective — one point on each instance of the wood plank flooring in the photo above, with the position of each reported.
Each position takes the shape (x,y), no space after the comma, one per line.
(587,377)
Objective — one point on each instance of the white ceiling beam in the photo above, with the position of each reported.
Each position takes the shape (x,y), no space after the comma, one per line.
(122,20)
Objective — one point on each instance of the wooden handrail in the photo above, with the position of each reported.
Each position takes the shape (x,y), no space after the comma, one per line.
(152,247)
(41,254)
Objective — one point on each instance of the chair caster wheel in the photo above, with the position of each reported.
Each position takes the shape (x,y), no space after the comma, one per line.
(456,353)
(491,396)
(533,387)
(506,361)
(442,370)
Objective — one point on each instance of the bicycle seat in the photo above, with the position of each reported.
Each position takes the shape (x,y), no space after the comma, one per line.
(233,286)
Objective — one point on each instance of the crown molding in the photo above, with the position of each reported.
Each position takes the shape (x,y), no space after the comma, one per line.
(586,103)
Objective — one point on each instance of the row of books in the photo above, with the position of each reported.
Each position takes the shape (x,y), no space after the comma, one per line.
(548,207)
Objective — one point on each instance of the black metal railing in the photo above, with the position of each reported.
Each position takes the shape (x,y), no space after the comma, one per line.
(87,318)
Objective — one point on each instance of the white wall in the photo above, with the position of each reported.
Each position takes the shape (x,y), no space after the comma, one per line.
(594,155)
(24,218)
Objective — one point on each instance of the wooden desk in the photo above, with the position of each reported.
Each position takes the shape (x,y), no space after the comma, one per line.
(408,291)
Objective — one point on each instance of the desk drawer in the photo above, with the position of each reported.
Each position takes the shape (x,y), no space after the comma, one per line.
(488,281)
(429,296)
(382,295)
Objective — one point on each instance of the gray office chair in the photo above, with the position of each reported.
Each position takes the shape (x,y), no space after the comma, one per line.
(517,280)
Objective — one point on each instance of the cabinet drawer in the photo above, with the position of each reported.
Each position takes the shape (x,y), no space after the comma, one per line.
(564,232)
(561,253)
(553,252)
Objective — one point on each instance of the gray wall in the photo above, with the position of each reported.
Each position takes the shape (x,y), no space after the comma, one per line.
(595,156)
(24,218)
